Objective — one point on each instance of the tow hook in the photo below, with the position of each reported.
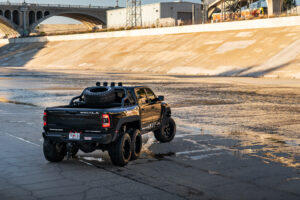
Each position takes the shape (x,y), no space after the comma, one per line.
(69,150)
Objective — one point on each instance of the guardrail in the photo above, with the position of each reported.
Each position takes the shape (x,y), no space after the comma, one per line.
(54,5)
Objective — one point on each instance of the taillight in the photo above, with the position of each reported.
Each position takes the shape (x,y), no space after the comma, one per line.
(45,119)
(105,121)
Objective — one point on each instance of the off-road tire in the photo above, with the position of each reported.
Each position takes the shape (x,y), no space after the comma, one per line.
(54,152)
(166,132)
(120,151)
(98,95)
(137,144)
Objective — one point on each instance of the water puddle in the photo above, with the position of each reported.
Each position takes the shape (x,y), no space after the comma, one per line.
(195,102)
(185,130)
(269,147)
(293,179)
(202,116)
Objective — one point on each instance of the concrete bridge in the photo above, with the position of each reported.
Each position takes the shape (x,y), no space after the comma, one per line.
(274,6)
(22,18)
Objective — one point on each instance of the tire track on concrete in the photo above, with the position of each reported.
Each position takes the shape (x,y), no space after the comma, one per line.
(104,168)
(118,172)
(181,191)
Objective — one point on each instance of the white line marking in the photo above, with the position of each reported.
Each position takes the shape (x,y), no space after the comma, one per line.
(93,159)
(198,151)
(85,162)
(22,139)
(200,157)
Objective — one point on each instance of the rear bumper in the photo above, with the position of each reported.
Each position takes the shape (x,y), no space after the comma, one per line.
(84,138)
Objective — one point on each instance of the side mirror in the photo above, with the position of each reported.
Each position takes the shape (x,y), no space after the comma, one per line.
(161,98)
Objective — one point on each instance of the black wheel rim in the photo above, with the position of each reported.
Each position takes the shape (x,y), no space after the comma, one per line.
(58,147)
(168,130)
(126,149)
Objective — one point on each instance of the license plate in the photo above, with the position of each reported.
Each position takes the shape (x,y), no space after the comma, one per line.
(74,136)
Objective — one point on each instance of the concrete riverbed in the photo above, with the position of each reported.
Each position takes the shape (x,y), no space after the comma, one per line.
(237,138)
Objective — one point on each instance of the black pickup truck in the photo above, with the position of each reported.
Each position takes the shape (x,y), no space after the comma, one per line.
(111,118)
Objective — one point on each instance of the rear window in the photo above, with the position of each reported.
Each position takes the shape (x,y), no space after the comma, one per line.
(130,98)
(120,94)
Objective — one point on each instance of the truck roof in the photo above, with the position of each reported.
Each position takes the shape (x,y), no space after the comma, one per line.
(130,87)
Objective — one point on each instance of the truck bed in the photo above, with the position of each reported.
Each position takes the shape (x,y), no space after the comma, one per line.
(79,118)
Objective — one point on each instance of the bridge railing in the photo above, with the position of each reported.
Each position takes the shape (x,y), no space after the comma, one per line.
(53,5)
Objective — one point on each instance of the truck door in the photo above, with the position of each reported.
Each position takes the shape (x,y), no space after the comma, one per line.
(154,104)
(145,108)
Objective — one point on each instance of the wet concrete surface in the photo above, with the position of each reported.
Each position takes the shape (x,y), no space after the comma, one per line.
(234,141)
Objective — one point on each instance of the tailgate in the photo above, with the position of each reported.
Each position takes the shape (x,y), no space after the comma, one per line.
(73,120)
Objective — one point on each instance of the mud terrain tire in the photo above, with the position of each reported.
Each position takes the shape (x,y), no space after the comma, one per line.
(54,152)
(137,144)
(167,131)
(120,151)
(98,95)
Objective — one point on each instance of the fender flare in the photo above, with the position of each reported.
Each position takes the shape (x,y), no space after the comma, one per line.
(165,112)
(123,121)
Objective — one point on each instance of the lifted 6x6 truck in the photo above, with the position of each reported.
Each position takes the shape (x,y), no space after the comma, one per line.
(111,118)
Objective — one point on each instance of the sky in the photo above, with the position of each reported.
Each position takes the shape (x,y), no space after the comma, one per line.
(64,20)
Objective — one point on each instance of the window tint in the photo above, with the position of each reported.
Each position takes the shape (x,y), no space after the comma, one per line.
(141,96)
(119,95)
(130,98)
(151,95)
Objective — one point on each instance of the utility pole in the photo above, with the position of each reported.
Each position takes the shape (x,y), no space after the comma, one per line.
(193,13)
(204,11)
(133,13)
(117,3)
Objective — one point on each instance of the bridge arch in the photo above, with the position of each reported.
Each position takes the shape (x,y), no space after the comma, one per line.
(7,27)
(7,14)
(16,17)
(39,15)
(88,20)
(31,17)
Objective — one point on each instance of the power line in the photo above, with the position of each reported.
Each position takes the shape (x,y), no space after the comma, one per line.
(133,13)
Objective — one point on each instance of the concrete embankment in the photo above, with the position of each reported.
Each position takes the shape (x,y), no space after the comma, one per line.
(265,48)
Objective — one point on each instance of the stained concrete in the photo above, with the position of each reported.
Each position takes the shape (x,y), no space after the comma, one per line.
(237,138)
